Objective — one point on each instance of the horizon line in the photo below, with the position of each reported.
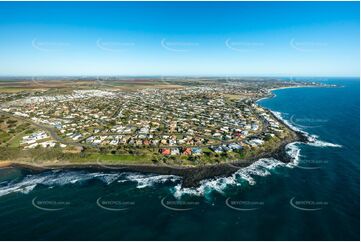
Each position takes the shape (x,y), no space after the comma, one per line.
(190,75)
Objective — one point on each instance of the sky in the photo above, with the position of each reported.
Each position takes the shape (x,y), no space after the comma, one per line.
(180,38)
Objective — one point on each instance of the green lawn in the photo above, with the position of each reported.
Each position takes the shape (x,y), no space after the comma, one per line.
(115,159)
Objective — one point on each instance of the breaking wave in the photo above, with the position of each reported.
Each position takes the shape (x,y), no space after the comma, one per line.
(312,139)
(261,168)
(293,151)
(319,143)
(144,180)
(29,182)
(61,178)
(291,126)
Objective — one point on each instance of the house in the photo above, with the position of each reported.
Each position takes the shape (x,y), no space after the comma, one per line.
(217,134)
(225,129)
(226,148)
(114,142)
(182,141)
(244,133)
(142,136)
(217,149)
(155,142)
(165,151)
(144,130)
(175,151)
(172,142)
(196,151)
(97,142)
(227,137)
(46,144)
(187,151)
(255,142)
(235,146)
(76,136)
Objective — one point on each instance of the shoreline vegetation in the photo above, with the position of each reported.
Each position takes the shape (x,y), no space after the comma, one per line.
(191,175)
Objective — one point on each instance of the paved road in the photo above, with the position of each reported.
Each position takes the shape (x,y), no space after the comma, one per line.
(55,136)
(48,129)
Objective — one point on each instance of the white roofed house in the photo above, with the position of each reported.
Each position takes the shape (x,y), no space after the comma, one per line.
(114,142)
(174,151)
(47,144)
(217,134)
(254,127)
(31,146)
(172,142)
(255,142)
(77,136)
(97,142)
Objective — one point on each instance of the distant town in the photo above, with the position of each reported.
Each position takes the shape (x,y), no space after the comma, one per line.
(176,122)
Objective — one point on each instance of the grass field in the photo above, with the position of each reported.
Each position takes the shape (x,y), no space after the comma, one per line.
(125,85)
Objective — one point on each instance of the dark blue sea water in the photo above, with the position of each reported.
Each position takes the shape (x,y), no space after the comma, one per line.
(317,198)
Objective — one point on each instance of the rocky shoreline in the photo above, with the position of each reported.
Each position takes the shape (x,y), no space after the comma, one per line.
(191,175)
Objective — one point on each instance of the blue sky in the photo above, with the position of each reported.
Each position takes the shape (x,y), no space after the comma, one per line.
(180,38)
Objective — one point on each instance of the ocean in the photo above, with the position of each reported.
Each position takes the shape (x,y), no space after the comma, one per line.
(317,197)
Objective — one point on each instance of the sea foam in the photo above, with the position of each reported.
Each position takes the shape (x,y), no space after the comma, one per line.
(61,178)
(29,182)
(148,180)
(320,143)
(313,140)
(246,175)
